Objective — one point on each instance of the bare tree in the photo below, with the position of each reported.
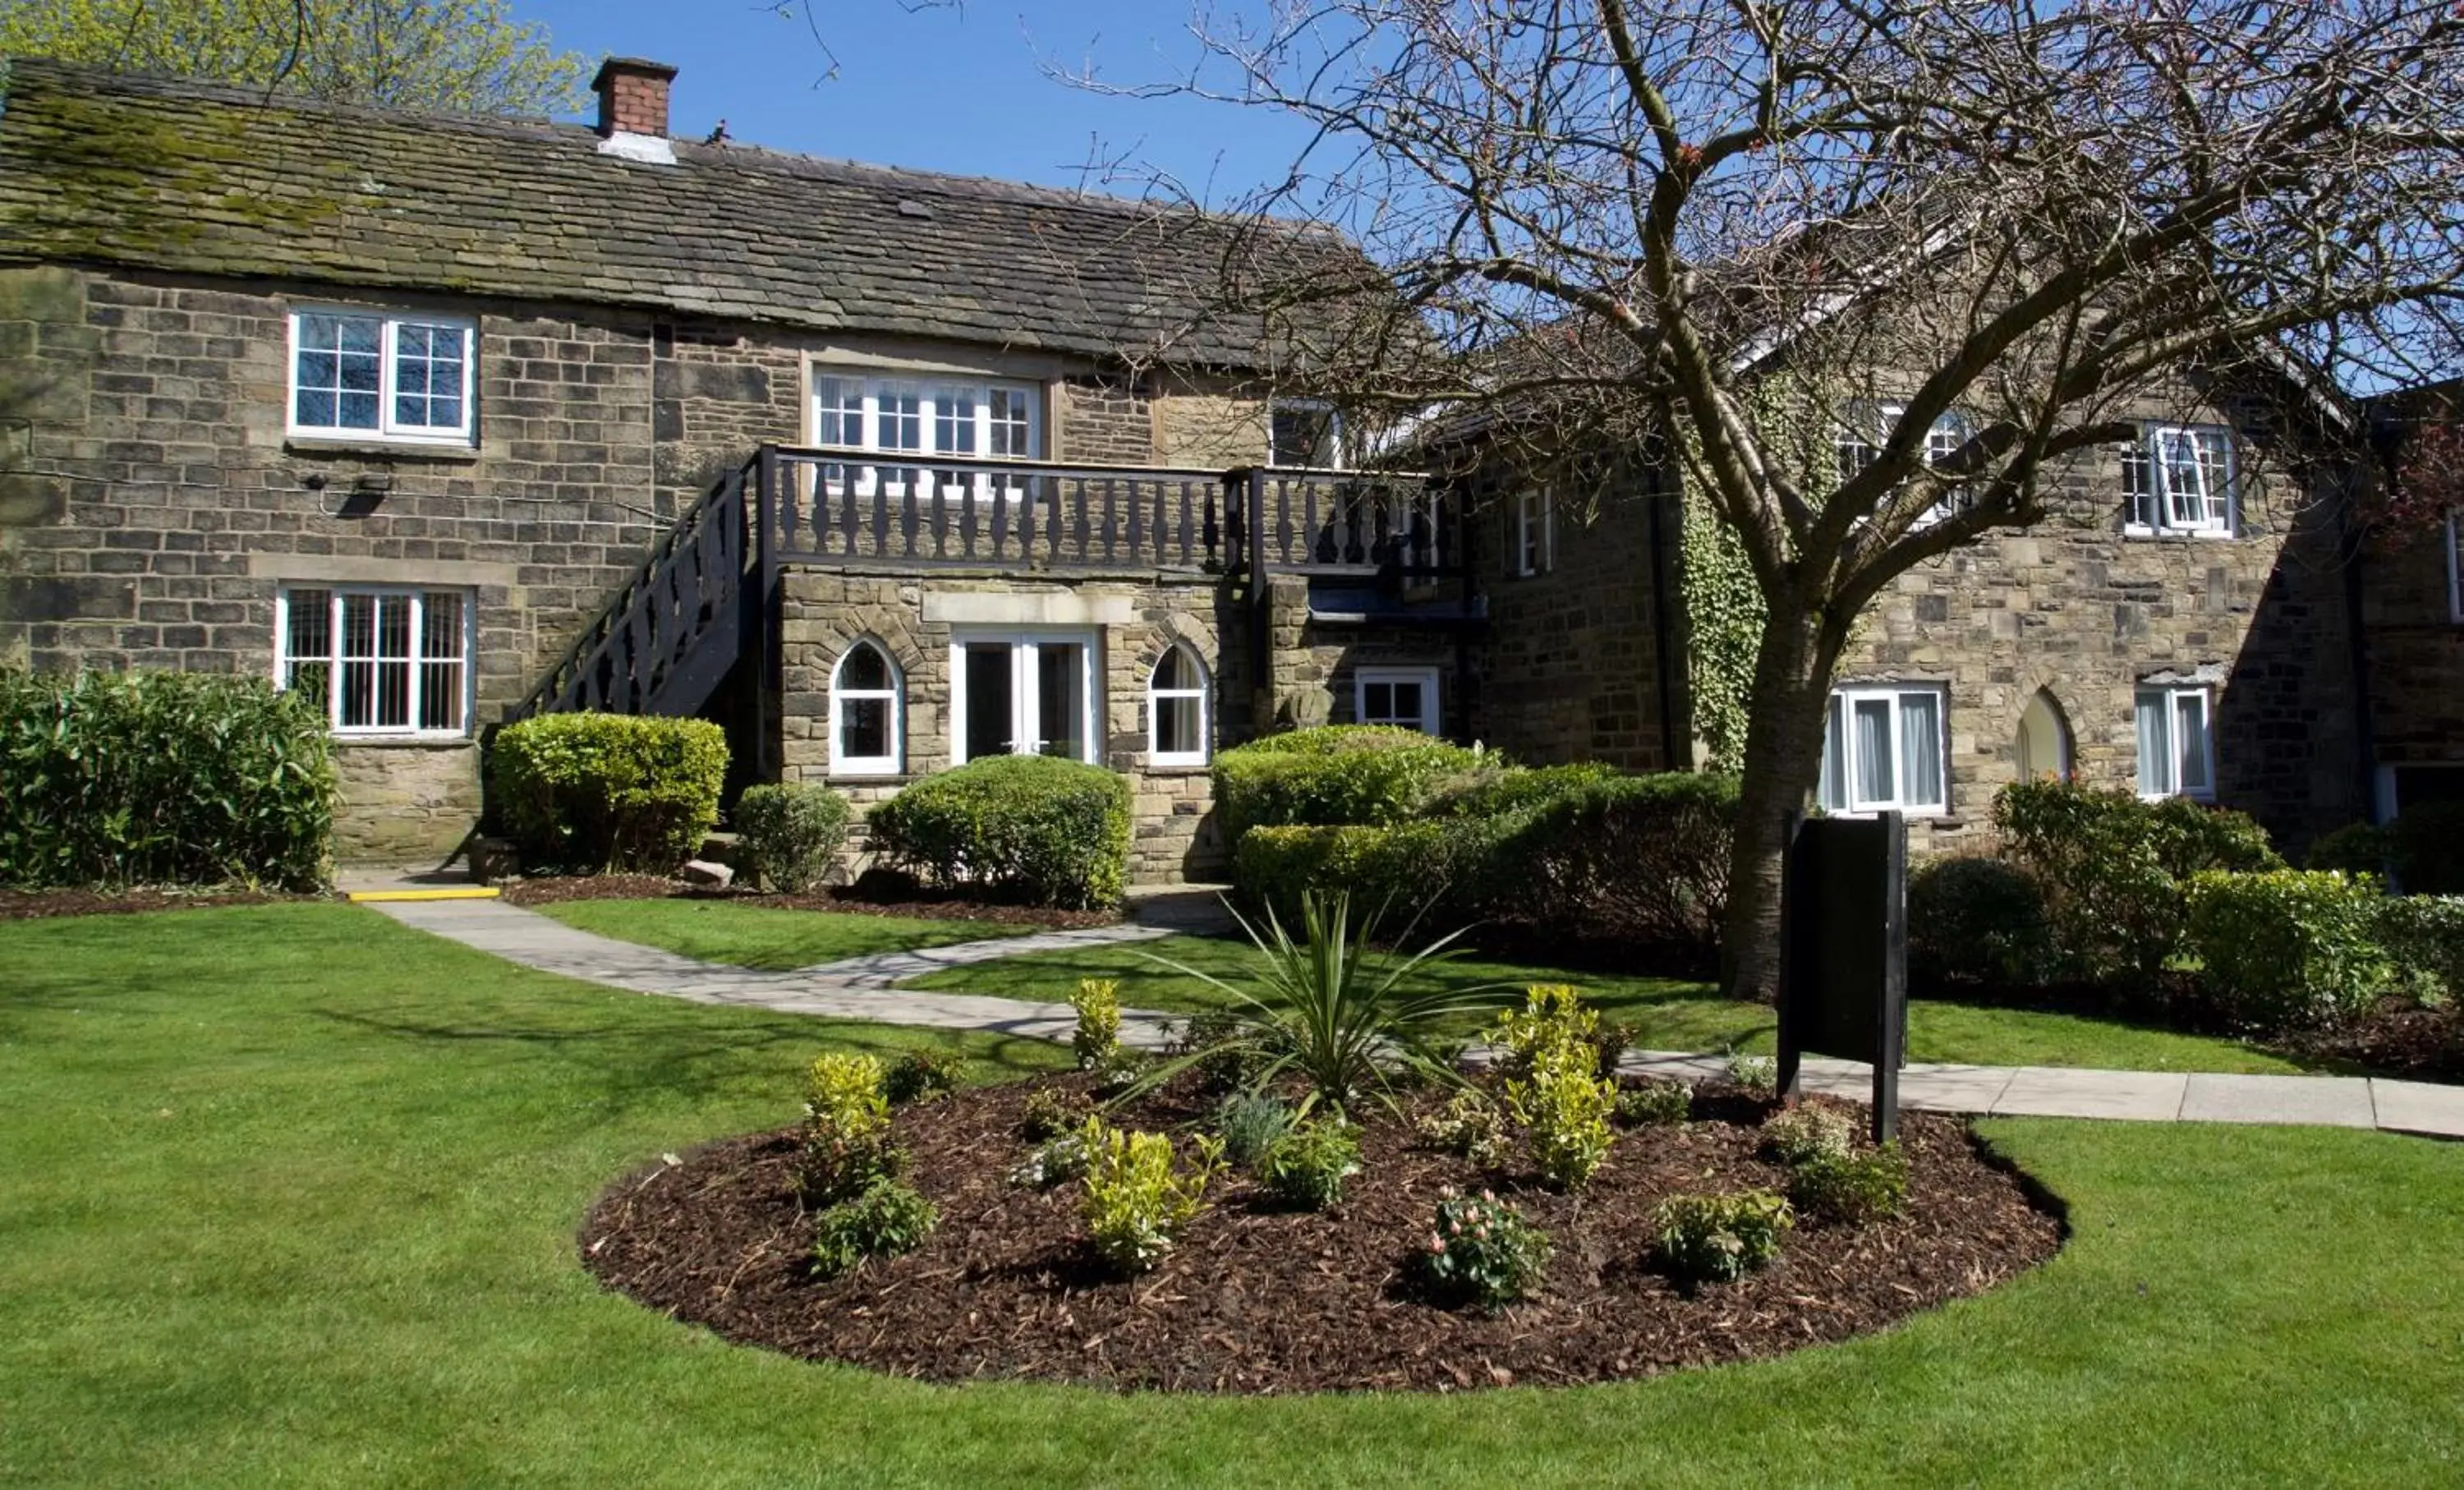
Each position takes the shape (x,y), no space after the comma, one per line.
(1722,224)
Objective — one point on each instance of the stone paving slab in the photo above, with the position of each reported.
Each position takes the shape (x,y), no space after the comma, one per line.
(2320,1101)
(2054,1091)
(2418,1107)
(881,970)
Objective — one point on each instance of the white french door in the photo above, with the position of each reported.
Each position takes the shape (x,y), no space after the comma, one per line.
(1023,693)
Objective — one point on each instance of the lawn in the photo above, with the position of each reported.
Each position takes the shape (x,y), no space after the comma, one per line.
(288,1195)
(766,937)
(1671,1013)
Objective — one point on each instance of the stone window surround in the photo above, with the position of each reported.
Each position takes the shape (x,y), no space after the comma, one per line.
(1025,700)
(871,767)
(386,437)
(859,359)
(1535,551)
(1157,757)
(1844,695)
(1431,712)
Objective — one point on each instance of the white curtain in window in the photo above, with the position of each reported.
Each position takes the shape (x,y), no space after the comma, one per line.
(1834,760)
(2191,740)
(1876,781)
(2155,746)
(1921,748)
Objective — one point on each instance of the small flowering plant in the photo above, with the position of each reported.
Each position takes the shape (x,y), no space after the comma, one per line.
(1481,1251)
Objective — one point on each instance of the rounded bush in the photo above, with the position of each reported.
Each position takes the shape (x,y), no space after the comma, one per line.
(791,834)
(1521,789)
(2423,938)
(2289,946)
(596,791)
(1437,868)
(1339,774)
(162,778)
(1977,921)
(1055,832)
(1640,860)
(2354,848)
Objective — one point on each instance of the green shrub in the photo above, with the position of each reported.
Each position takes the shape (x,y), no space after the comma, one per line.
(1977,922)
(2289,948)
(1137,1201)
(2354,848)
(1053,1110)
(883,1221)
(1520,789)
(1097,1036)
(1481,1251)
(922,1074)
(1719,1239)
(1249,1123)
(1801,1136)
(1757,1074)
(1655,1104)
(1852,1189)
(1306,1167)
(2116,870)
(1639,860)
(1611,1044)
(162,778)
(1469,1124)
(1554,1020)
(2424,938)
(1060,1159)
(790,834)
(1338,775)
(2426,848)
(1223,1060)
(1564,1106)
(1434,869)
(847,1145)
(1056,832)
(595,792)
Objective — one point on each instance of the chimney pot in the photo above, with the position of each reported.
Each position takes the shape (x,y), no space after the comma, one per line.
(633,96)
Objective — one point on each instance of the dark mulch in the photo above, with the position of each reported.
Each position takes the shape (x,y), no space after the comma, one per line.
(28,905)
(2398,1038)
(1258,1301)
(548,890)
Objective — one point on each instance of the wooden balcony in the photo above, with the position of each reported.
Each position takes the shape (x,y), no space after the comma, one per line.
(849,508)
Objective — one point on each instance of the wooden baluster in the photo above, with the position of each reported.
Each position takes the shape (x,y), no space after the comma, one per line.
(1053,500)
(1187,501)
(1081,516)
(1285,547)
(1137,524)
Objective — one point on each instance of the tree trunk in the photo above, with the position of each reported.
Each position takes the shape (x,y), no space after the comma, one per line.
(1784,723)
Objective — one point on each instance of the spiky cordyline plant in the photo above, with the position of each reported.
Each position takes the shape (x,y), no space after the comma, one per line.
(1330,1007)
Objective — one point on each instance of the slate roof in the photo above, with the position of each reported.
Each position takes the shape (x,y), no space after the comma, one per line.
(193,178)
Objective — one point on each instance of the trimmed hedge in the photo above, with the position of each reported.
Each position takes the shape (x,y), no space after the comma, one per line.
(2288,948)
(1339,774)
(596,791)
(1056,832)
(1977,922)
(162,778)
(2116,870)
(791,834)
(1521,789)
(1437,868)
(2424,938)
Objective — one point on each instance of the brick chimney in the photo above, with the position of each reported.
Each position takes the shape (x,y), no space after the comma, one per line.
(633,96)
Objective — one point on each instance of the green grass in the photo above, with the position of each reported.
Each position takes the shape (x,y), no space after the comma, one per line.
(765,938)
(287,1197)
(1671,1013)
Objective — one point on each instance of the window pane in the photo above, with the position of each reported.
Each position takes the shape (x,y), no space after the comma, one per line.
(1060,699)
(337,370)
(953,421)
(440,696)
(1012,429)
(1921,748)
(1173,671)
(310,635)
(863,728)
(2137,485)
(840,417)
(428,376)
(2191,740)
(1876,781)
(1300,435)
(1180,726)
(989,696)
(901,415)
(2155,746)
(864,667)
(1834,792)
(1377,703)
(2214,465)
(440,624)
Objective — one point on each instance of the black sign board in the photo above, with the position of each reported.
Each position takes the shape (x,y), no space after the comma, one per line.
(1843,962)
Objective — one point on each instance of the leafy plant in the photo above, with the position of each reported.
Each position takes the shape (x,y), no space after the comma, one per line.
(1757,1074)
(1212,1035)
(1338,775)
(790,834)
(1249,1123)
(922,1074)
(1059,1160)
(1799,1135)
(2424,938)
(1719,1239)
(1120,1071)
(1306,1167)
(1610,1045)
(1655,1104)
(1137,1201)
(1552,1020)
(2289,948)
(1481,1251)
(596,791)
(1330,1009)
(1977,922)
(1097,1038)
(1852,1188)
(1469,1124)
(883,1221)
(1564,1107)
(1056,832)
(847,1143)
(1051,1111)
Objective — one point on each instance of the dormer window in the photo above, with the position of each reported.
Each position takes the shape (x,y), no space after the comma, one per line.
(365,375)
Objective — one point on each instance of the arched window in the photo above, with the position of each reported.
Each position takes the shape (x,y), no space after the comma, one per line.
(1176,722)
(867,717)
(2043,748)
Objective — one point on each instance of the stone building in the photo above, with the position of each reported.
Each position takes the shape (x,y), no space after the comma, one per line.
(2411,611)
(456,419)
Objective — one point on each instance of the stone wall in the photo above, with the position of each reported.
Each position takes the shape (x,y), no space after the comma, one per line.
(2417,651)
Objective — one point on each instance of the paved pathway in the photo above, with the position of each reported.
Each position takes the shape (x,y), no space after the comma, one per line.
(860,987)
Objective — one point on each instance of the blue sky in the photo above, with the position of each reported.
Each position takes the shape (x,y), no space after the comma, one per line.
(953,89)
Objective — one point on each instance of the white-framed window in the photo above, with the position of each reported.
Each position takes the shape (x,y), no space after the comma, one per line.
(1407,696)
(387,660)
(2179,478)
(1178,715)
(1023,693)
(1536,532)
(362,374)
(867,714)
(1859,444)
(1885,746)
(976,420)
(2177,750)
(1304,432)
